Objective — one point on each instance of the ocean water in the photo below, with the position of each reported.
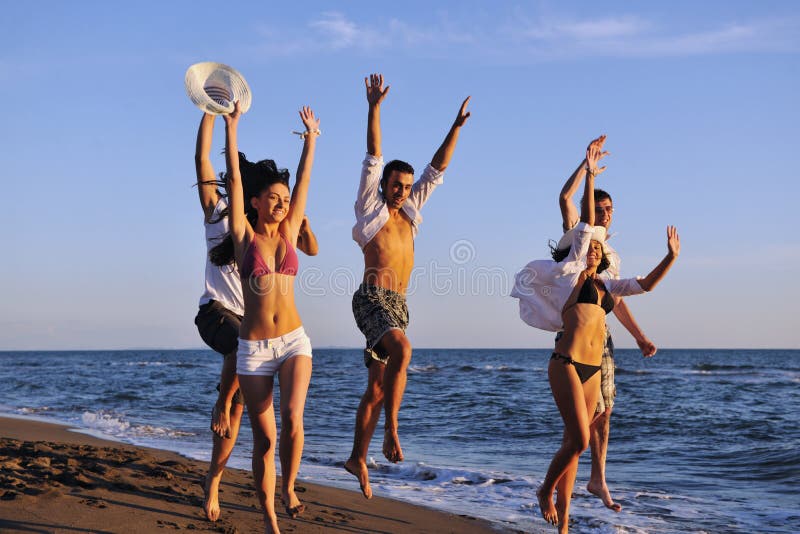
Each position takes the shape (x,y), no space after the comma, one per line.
(701,440)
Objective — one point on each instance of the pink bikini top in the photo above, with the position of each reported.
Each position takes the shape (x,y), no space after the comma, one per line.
(254,265)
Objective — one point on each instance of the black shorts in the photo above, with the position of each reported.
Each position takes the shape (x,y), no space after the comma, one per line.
(219,327)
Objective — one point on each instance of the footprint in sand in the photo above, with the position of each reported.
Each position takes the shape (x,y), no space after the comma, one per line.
(160,473)
(342,518)
(42,462)
(94,467)
(95,503)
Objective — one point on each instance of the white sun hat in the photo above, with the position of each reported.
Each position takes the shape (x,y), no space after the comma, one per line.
(214,87)
(598,234)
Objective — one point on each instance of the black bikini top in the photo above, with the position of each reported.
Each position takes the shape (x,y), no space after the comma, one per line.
(588,295)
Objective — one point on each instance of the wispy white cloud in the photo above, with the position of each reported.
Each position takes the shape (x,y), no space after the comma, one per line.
(731,38)
(338,32)
(341,31)
(630,36)
(611,27)
(333,31)
(524,38)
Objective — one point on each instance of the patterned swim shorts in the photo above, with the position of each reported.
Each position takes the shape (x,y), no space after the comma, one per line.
(378,310)
(608,389)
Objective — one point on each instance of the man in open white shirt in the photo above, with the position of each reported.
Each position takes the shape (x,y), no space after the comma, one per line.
(387,220)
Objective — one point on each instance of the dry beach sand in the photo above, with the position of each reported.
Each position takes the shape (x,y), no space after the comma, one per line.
(56,480)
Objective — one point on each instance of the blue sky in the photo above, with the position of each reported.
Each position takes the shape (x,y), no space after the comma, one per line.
(104,240)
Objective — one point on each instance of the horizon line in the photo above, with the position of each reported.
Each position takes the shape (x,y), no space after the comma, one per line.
(343,347)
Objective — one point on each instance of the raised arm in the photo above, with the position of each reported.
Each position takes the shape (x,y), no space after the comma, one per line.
(569,212)
(297,207)
(206,181)
(375,95)
(236,216)
(673,250)
(593,154)
(443,156)
(623,313)
(306,240)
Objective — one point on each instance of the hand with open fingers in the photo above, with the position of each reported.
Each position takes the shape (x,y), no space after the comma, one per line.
(673,241)
(463,114)
(598,144)
(375,90)
(309,120)
(594,153)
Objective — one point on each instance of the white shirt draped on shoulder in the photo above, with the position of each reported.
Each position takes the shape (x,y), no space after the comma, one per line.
(543,286)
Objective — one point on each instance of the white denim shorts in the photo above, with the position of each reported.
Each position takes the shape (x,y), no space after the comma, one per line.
(265,356)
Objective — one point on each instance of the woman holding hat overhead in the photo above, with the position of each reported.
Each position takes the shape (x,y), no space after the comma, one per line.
(265,220)
(570,295)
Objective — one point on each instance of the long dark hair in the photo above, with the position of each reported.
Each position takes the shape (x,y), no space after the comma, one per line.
(256,178)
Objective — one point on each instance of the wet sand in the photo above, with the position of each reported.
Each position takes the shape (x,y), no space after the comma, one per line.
(53,479)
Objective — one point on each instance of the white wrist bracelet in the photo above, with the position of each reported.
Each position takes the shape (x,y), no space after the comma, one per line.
(305,134)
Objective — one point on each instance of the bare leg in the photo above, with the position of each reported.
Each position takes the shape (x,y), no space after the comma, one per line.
(369,411)
(294,375)
(228,384)
(397,346)
(566,483)
(570,398)
(598,441)
(257,392)
(219,458)
(564,495)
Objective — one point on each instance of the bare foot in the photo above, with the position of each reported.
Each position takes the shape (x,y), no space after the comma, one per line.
(546,506)
(391,446)
(601,490)
(211,499)
(220,422)
(359,470)
(292,504)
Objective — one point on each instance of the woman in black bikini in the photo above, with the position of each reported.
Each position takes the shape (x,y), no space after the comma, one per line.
(574,366)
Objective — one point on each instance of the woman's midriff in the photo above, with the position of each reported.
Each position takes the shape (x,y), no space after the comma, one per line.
(584,333)
(269,308)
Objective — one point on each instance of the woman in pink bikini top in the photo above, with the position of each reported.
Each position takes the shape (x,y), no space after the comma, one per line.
(265,219)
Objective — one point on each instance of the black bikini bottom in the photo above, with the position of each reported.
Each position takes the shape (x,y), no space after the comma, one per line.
(585,372)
